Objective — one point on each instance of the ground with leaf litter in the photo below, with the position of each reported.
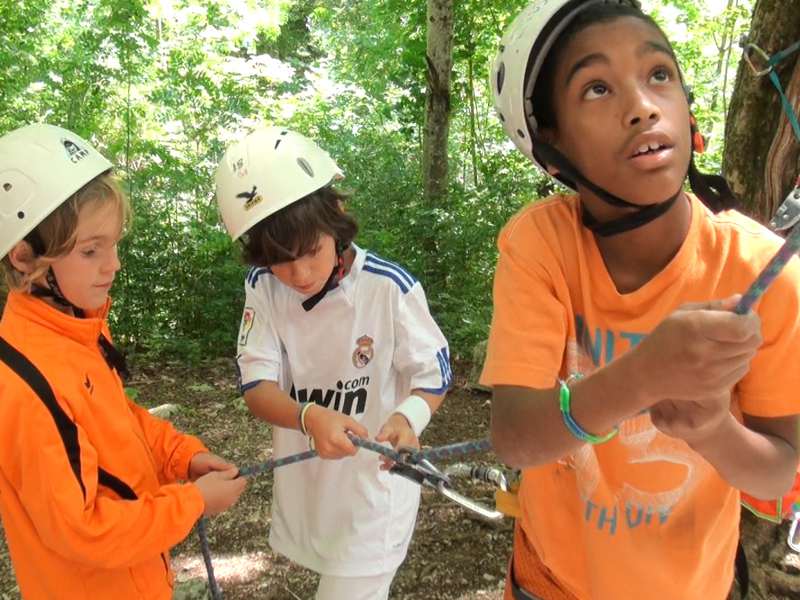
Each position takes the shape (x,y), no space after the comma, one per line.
(453,556)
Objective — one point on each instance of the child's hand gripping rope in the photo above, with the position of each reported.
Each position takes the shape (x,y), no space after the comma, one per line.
(699,401)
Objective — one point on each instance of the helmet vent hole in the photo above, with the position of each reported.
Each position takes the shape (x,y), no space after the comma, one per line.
(502,118)
(20,215)
(284,132)
(305,166)
(278,143)
(520,133)
(7,187)
(501,76)
(502,48)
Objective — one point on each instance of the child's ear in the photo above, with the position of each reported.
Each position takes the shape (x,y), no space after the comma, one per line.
(22,257)
(551,137)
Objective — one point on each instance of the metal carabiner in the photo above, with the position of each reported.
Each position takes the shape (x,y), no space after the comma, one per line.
(794,533)
(788,213)
(476,507)
(419,470)
(747,48)
(425,473)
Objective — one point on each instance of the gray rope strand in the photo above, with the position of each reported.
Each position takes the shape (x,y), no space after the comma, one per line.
(456,450)
(213,586)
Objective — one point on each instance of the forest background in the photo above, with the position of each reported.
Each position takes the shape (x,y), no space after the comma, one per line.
(161,87)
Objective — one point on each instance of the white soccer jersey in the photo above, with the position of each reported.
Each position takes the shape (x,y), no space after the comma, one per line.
(360,351)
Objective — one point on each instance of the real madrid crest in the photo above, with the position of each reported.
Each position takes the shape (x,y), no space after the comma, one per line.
(363,352)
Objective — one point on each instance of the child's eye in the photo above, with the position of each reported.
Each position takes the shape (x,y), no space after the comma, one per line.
(595,90)
(661,75)
(89,252)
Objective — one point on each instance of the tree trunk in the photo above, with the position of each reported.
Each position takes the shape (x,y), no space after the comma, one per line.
(762,156)
(439,58)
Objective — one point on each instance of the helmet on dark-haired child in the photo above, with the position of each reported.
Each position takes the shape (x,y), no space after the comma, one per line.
(514,76)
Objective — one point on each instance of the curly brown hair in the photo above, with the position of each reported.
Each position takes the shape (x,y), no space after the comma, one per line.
(294,230)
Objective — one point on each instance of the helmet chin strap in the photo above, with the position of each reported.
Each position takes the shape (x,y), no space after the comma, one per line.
(333,281)
(54,292)
(113,357)
(548,154)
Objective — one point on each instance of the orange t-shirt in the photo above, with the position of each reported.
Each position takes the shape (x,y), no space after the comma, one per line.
(642,516)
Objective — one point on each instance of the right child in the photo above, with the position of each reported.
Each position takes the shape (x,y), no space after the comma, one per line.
(636,408)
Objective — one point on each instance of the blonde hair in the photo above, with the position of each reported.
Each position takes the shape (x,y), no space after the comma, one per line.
(58,232)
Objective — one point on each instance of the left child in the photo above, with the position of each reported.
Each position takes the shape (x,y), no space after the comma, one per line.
(90,497)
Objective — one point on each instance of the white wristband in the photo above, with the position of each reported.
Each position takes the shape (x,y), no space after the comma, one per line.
(417,411)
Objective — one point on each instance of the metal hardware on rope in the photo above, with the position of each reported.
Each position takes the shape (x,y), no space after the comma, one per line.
(788,213)
(490,475)
(794,531)
(771,62)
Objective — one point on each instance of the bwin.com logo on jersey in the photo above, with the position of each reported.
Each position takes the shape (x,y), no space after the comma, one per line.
(74,152)
(348,397)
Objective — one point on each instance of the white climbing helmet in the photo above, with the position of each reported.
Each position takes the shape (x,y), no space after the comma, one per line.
(267,171)
(41,166)
(519,60)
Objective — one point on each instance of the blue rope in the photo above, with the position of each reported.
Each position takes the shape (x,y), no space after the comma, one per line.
(769,273)
(773,76)
(787,106)
(449,451)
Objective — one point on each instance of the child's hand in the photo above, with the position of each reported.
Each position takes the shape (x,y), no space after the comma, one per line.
(691,421)
(329,430)
(699,352)
(205,462)
(397,431)
(220,489)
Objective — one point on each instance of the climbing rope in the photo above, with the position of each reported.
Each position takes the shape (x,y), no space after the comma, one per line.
(790,247)
(418,460)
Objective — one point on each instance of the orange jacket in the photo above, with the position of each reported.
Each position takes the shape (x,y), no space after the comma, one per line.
(87,497)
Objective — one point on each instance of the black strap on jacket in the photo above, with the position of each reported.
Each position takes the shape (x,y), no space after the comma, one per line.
(68,431)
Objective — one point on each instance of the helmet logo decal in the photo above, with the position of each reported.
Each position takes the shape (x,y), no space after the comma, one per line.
(253,198)
(239,167)
(74,152)
(305,166)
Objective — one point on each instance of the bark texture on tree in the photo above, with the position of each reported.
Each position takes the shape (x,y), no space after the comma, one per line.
(439,60)
(762,156)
